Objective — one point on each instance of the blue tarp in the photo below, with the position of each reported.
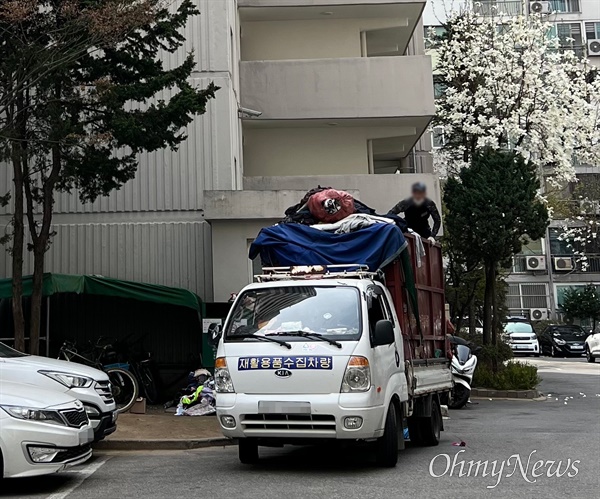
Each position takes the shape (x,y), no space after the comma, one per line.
(296,244)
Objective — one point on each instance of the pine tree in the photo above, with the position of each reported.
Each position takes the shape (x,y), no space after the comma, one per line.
(491,207)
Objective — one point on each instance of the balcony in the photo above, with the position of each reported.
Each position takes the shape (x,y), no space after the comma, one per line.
(588,264)
(314,29)
(395,88)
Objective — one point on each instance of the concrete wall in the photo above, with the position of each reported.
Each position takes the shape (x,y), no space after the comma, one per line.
(232,268)
(327,150)
(313,89)
(314,39)
(381,192)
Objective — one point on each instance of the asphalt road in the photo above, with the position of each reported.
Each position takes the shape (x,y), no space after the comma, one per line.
(564,427)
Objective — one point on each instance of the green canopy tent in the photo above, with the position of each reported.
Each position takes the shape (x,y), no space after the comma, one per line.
(104,286)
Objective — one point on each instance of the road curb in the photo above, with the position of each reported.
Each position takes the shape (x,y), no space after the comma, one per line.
(163,444)
(505,394)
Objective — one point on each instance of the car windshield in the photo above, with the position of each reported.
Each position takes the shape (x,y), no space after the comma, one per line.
(568,334)
(7,352)
(518,327)
(333,312)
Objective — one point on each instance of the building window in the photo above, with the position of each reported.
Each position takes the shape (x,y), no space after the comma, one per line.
(439,87)
(432,36)
(525,296)
(570,37)
(438,139)
(592,31)
(565,6)
(498,7)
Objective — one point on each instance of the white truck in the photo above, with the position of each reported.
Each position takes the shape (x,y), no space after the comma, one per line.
(304,357)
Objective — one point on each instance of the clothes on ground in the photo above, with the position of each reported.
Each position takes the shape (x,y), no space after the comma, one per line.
(417,216)
(201,397)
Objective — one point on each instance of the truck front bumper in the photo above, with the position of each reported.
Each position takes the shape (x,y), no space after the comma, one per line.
(327,418)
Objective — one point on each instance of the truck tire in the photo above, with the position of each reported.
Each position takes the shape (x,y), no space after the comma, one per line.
(386,447)
(431,427)
(248,451)
(414,431)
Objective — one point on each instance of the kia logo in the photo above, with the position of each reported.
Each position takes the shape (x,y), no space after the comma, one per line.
(283,373)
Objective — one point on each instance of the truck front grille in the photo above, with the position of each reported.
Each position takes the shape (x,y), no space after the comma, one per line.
(290,422)
(105,391)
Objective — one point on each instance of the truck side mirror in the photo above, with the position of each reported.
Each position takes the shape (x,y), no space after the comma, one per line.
(214,334)
(384,333)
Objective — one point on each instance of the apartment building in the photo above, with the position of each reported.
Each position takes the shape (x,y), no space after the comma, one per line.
(313,92)
(545,269)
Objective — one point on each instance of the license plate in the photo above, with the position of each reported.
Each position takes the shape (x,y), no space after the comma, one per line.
(521,347)
(274,407)
(576,348)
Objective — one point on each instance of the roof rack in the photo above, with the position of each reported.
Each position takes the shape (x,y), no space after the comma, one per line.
(307,272)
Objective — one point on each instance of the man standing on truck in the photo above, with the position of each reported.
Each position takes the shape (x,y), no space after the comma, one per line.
(417,209)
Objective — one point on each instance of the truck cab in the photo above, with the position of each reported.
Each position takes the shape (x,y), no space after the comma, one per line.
(306,357)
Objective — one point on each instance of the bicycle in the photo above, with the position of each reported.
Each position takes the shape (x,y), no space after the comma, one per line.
(124,385)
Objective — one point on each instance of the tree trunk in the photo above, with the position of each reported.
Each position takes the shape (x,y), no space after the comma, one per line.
(17,251)
(488,301)
(472,323)
(36,300)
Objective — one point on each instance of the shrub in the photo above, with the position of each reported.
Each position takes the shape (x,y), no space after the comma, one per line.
(513,375)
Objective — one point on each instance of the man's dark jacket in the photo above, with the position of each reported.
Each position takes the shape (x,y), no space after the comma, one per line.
(417,216)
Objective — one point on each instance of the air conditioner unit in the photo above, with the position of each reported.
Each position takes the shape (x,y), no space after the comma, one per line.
(563,263)
(538,314)
(593,48)
(540,7)
(535,263)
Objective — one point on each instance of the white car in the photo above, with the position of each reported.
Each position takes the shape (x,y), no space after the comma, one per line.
(522,338)
(592,347)
(84,383)
(41,431)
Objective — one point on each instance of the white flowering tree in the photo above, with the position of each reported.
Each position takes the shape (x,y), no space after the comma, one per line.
(509,85)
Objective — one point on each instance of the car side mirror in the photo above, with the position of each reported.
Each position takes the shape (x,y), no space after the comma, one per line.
(384,333)
(214,334)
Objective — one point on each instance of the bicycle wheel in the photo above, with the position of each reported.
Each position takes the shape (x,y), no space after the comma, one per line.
(125,388)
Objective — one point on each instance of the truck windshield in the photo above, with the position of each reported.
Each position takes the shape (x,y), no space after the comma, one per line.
(333,312)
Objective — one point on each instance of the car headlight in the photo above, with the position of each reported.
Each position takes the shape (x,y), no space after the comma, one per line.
(69,380)
(223,381)
(41,415)
(559,341)
(357,377)
(534,337)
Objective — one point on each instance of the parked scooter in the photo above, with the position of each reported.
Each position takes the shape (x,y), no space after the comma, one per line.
(462,367)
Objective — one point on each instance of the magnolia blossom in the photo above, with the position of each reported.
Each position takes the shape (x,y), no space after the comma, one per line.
(510,85)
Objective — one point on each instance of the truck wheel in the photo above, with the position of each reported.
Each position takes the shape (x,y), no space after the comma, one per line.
(248,451)
(431,427)
(386,450)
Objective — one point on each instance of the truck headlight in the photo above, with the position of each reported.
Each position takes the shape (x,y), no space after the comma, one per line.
(41,415)
(69,380)
(357,377)
(223,382)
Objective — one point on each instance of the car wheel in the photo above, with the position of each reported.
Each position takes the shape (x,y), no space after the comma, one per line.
(588,355)
(248,451)
(386,447)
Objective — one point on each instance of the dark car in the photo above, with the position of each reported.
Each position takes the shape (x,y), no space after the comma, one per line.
(562,341)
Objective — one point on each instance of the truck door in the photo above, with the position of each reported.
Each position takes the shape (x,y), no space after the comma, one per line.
(385,358)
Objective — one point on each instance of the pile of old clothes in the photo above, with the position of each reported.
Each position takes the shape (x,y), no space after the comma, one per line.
(201,397)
